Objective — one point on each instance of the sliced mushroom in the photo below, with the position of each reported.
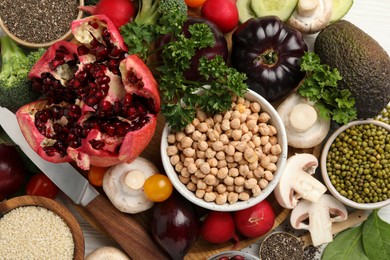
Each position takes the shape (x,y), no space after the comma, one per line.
(107,253)
(321,215)
(297,182)
(311,16)
(304,127)
(123,185)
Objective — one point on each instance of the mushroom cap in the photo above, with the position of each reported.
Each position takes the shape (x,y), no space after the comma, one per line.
(297,181)
(107,253)
(117,185)
(302,139)
(311,18)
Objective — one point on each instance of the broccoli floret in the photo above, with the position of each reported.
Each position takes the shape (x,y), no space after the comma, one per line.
(147,12)
(15,87)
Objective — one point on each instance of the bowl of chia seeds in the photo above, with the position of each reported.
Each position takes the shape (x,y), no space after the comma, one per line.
(38,24)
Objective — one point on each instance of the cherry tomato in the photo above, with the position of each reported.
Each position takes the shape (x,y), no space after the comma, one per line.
(158,187)
(40,185)
(194,3)
(96,174)
(223,13)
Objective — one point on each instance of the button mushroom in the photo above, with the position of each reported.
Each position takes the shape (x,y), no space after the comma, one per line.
(297,182)
(321,215)
(311,16)
(304,127)
(123,185)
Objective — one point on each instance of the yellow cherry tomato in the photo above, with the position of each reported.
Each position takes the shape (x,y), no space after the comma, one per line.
(158,187)
(96,174)
(194,3)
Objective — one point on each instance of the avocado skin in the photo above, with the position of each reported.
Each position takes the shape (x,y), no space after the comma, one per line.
(361,61)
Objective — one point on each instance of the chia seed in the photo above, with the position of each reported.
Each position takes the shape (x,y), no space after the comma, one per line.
(38,21)
(281,246)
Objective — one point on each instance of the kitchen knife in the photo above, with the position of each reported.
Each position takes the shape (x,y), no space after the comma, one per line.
(123,228)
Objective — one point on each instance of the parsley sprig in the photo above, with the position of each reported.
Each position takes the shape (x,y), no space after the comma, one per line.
(320,87)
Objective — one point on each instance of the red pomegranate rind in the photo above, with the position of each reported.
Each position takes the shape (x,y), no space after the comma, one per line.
(138,79)
(83,28)
(34,138)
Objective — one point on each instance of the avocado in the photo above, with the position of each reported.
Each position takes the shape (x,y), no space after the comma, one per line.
(363,64)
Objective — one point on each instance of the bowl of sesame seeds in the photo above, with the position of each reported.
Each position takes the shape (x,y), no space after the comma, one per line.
(38,24)
(35,227)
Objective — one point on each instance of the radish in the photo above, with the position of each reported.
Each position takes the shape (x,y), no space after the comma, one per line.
(256,220)
(119,12)
(223,13)
(218,227)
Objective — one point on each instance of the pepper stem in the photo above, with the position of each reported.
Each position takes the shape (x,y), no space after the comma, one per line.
(268,57)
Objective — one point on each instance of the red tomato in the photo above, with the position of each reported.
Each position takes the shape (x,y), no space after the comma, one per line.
(158,187)
(40,185)
(96,175)
(223,13)
(194,3)
(256,220)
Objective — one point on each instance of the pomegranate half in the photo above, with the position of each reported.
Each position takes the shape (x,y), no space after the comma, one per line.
(100,106)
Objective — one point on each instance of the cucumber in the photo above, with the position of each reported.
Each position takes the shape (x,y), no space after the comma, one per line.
(339,9)
(281,8)
(245,11)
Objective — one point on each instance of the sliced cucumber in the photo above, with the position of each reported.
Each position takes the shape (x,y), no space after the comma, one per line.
(339,9)
(281,8)
(245,11)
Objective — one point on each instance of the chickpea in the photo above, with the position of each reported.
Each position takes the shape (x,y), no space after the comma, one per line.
(265,161)
(200,154)
(222,173)
(255,107)
(233,172)
(210,153)
(200,194)
(244,196)
(259,152)
(268,175)
(220,188)
(251,124)
(230,188)
(236,134)
(250,175)
(210,122)
(235,123)
(210,179)
(263,183)
(230,150)
(253,165)
(244,128)
(199,174)
(184,180)
(195,122)
(201,185)
(239,181)
(276,149)
(189,129)
(179,136)
(202,127)
(250,155)
(199,161)
(225,125)
(186,142)
(264,117)
(273,140)
(202,145)
(240,100)
(243,170)
(205,168)
(241,146)
(250,183)
(264,129)
(224,139)
(172,150)
(256,191)
(221,199)
(221,164)
(213,135)
(201,115)
(273,158)
(218,118)
(192,168)
(220,155)
(227,115)
(251,145)
(242,118)
(246,137)
(232,165)
(189,152)
(196,135)
(174,159)
(191,186)
(228,180)
(232,197)
(272,167)
(214,171)
(218,128)
(217,146)
(267,148)
(235,115)
(237,156)
(194,179)
(179,166)
(273,130)
(229,159)
(184,172)
(210,196)
(239,188)
(256,140)
(213,162)
(259,172)
(171,138)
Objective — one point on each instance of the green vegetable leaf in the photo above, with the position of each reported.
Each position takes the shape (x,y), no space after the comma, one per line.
(376,237)
(347,245)
(320,87)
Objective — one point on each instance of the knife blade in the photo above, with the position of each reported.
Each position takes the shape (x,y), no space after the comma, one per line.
(123,228)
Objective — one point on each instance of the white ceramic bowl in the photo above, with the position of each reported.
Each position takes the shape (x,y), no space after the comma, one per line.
(282,140)
(331,188)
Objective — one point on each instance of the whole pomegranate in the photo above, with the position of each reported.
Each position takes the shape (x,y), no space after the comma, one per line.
(100,105)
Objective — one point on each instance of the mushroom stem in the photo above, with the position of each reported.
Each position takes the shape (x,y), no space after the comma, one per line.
(135,179)
(302,117)
(307,8)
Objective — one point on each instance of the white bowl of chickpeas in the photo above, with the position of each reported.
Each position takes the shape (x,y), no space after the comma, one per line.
(228,161)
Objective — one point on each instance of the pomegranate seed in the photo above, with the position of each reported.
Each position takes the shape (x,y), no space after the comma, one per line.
(42,116)
(103,80)
(50,150)
(59,55)
(91,101)
(94,25)
(55,63)
(100,94)
(115,52)
(82,50)
(97,144)
(104,87)
(56,112)
(63,50)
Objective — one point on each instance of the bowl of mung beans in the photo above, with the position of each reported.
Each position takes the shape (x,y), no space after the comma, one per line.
(228,161)
(38,24)
(35,227)
(355,164)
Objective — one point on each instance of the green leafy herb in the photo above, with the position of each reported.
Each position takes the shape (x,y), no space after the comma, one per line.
(320,87)
(376,237)
(371,240)
(180,97)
